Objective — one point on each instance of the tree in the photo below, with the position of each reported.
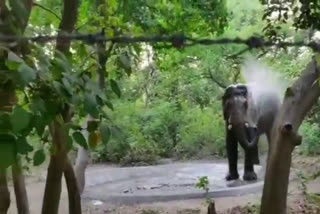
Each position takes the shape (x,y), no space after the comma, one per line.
(59,162)
(298,100)
(13,22)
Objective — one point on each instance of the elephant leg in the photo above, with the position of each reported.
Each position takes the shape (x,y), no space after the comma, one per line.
(232,153)
(255,154)
(249,174)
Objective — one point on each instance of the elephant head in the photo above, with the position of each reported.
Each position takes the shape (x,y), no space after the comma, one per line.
(240,114)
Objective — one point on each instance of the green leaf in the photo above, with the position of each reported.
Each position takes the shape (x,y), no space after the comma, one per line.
(82,51)
(38,105)
(7,150)
(20,119)
(12,65)
(60,89)
(26,75)
(67,86)
(23,147)
(109,104)
(39,157)
(99,100)
(39,124)
(78,137)
(115,88)
(105,133)
(92,125)
(5,124)
(90,106)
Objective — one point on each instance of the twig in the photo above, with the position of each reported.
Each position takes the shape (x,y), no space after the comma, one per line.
(221,85)
(47,9)
(238,53)
(262,54)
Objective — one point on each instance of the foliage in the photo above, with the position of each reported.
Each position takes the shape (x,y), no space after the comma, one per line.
(48,83)
(202,129)
(311,138)
(170,105)
(162,131)
(168,108)
(203,183)
(302,15)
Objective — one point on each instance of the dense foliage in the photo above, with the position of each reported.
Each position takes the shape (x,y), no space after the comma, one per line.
(171,106)
(169,103)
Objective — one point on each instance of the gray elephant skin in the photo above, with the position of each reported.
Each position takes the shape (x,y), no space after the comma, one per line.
(249,111)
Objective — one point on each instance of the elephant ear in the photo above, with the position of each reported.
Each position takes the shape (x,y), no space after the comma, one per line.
(228,93)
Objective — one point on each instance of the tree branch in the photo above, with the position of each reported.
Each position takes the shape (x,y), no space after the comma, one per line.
(48,10)
(220,84)
(177,41)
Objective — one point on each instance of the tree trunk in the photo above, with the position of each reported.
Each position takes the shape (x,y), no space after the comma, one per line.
(59,159)
(8,100)
(73,191)
(297,102)
(20,189)
(52,192)
(80,168)
(4,192)
(212,208)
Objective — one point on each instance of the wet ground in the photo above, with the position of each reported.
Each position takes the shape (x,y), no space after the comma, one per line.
(166,185)
(174,181)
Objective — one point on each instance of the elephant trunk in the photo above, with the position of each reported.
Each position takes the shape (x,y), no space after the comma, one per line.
(248,136)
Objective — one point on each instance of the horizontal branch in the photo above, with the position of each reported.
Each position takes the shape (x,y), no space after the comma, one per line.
(177,41)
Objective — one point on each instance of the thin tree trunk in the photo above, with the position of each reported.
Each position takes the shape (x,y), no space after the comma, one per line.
(72,185)
(297,102)
(4,192)
(52,192)
(80,168)
(20,189)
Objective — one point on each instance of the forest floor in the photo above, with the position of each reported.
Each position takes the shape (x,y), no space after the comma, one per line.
(299,198)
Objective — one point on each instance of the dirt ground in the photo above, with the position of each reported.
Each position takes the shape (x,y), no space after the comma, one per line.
(298,202)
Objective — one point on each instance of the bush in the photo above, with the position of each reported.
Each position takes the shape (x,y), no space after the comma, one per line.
(162,130)
(202,133)
(160,125)
(311,138)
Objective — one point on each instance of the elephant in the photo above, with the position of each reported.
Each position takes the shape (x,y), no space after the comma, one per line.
(249,111)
